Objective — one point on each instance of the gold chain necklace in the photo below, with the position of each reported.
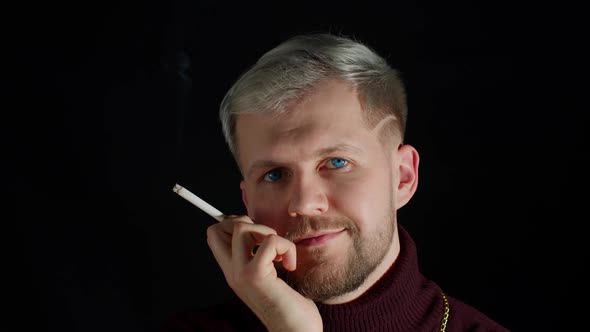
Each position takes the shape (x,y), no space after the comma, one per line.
(447,309)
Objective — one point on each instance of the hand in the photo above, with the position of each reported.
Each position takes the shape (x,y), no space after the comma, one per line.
(253,277)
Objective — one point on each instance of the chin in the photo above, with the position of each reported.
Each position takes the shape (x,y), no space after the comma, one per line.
(322,280)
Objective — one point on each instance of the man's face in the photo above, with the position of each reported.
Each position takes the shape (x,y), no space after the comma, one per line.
(322,179)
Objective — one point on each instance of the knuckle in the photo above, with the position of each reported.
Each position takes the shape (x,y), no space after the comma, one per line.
(234,218)
(240,227)
(210,231)
(272,240)
(210,234)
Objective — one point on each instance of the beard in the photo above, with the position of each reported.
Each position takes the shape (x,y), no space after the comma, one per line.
(320,277)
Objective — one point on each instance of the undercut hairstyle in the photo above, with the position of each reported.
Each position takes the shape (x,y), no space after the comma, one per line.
(292,70)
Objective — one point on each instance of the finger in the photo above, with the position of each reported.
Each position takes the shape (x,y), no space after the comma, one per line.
(236,218)
(219,239)
(226,226)
(245,237)
(276,248)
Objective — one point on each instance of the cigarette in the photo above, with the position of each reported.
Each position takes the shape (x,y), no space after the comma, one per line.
(198,202)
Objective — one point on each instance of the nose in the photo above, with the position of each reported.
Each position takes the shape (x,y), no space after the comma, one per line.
(308,198)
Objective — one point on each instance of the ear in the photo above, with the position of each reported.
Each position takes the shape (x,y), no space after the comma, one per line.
(245,196)
(407,162)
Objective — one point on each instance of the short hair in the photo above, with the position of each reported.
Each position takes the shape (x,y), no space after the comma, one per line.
(291,70)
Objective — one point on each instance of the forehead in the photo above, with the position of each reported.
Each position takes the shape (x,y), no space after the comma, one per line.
(331,115)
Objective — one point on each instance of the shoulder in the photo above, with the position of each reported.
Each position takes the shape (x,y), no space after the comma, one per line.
(465,318)
(229,316)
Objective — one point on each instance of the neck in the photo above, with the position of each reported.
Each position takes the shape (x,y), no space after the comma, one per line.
(379,271)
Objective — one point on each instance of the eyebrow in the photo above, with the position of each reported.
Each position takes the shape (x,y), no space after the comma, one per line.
(342,147)
(337,148)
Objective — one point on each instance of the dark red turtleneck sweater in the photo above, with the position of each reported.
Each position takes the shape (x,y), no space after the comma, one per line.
(402,300)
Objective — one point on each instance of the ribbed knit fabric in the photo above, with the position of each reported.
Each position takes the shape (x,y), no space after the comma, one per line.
(402,300)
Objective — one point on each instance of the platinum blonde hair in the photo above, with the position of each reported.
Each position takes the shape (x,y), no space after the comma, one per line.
(291,70)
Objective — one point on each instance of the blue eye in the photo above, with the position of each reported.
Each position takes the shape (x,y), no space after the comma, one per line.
(273,176)
(338,162)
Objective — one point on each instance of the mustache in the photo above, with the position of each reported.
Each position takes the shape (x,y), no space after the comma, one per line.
(305,225)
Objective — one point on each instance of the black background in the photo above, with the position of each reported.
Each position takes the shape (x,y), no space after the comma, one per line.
(108,104)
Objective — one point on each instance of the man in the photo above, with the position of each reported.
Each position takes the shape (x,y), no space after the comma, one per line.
(316,127)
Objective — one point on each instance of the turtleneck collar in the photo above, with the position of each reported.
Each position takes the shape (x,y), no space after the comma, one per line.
(401,300)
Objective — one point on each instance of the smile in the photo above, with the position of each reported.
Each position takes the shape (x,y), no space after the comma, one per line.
(318,238)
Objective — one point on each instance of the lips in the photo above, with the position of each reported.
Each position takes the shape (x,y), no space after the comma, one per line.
(317,238)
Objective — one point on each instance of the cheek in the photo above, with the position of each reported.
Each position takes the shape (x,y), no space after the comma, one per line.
(268,212)
(366,201)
